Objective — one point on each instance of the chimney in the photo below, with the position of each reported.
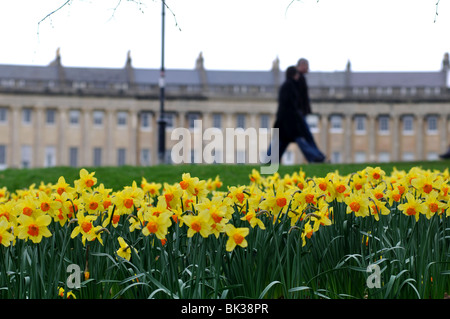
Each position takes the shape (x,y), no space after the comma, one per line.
(129,70)
(200,67)
(60,69)
(276,73)
(445,62)
(348,71)
(446,69)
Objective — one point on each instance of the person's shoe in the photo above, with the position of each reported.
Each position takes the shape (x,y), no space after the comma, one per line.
(446,155)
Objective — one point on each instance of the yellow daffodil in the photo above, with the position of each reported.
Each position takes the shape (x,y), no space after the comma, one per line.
(34,228)
(307,232)
(426,183)
(153,189)
(375,175)
(357,203)
(413,206)
(62,187)
(236,237)
(48,205)
(86,181)
(86,228)
(253,220)
(124,201)
(172,195)
(27,206)
(378,207)
(157,224)
(237,194)
(433,204)
(92,202)
(125,250)
(69,294)
(200,224)
(6,237)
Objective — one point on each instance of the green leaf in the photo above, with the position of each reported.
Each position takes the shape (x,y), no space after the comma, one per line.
(264,292)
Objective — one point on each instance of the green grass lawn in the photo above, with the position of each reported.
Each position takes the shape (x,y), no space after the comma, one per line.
(231,175)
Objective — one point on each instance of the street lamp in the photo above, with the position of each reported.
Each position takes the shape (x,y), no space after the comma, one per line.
(161,120)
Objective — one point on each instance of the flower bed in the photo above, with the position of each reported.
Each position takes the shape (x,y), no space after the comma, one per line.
(287,236)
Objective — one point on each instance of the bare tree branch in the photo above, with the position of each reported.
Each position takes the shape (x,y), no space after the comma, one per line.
(51,13)
(56,10)
(437,8)
(119,2)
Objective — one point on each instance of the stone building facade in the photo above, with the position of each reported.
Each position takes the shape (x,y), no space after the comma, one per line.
(63,116)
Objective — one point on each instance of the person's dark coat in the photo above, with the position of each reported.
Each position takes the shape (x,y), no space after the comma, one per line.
(304,102)
(288,118)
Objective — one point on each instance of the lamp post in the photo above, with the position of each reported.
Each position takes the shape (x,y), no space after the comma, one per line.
(161,120)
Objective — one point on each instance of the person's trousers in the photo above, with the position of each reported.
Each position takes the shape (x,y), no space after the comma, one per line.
(307,147)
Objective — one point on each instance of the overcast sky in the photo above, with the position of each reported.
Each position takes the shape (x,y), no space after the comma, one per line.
(375,35)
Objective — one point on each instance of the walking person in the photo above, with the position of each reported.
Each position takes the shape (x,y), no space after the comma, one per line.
(290,120)
(305,103)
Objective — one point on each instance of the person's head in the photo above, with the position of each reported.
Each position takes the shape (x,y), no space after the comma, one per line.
(291,73)
(303,65)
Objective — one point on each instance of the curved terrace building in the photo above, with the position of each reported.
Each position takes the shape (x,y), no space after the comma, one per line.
(65,116)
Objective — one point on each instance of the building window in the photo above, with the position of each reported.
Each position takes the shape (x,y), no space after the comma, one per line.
(432,124)
(50,116)
(27,115)
(408,125)
(383,124)
(122,118)
(408,156)
(168,157)
(265,121)
(145,157)
(313,122)
(217,120)
(360,157)
(360,124)
(146,119)
(432,156)
(98,117)
(192,117)
(74,117)
(2,156)
(27,153)
(121,152)
(97,156)
(50,156)
(336,123)
(384,157)
(336,157)
(73,156)
(240,121)
(217,156)
(240,156)
(170,120)
(288,158)
(3,115)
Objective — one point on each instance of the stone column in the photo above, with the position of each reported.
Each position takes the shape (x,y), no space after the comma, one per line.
(395,141)
(86,157)
(14,158)
(62,149)
(181,121)
(38,151)
(324,131)
(133,147)
(443,129)
(419,137)
(372,135)
(111,156)
(154,143)
(348,144)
